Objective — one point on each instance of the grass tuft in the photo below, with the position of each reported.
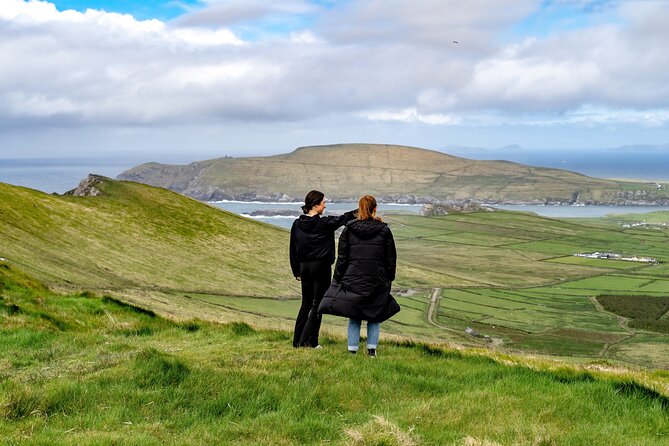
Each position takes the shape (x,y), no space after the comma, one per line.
(56,322)
(87,294)
(190,326)
(566,375)
(380,432)
(473,441)
(9,308)
(635,390)
(126,306)
(20,403)
(157,369)
(240,328)
(141,330)
(276,336)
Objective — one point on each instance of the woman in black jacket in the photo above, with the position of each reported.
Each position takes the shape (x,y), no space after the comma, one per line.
(363,275)
(312,253)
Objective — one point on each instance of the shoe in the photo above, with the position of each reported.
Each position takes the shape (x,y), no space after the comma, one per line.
(318,346)
(371,352)
(353,352)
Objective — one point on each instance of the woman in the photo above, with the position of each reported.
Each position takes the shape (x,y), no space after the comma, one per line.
(312,253)
(363,274)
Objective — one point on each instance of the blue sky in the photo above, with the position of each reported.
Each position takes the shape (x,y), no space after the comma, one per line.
(217,77)
(141,9)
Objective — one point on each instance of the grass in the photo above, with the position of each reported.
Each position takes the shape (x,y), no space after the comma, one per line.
(645,312)
(96,381)
(136,236)
(513,276)
(509,275)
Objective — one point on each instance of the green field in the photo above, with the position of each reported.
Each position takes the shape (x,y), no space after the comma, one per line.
(534,295)
(509,276)
(80,369)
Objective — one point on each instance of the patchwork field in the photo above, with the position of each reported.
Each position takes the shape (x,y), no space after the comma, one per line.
(533,294)
(510,277)
(513,278)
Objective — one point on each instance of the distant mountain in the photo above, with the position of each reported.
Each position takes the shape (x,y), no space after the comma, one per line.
(392,173)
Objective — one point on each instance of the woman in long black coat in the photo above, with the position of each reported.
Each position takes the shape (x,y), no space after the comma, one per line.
(363,275)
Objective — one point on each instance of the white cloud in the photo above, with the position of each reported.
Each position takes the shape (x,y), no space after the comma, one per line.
(304,36)
(205,37)
(411,115)
(588,115)
(388,61)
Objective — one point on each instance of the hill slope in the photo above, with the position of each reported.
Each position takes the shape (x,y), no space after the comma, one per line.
(392,173)
(135,236)
(78,369)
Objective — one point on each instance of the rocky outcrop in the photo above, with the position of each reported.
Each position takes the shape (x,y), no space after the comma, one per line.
(88,187)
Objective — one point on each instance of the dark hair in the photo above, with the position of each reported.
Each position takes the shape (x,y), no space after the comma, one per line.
(366,207)
(312,199)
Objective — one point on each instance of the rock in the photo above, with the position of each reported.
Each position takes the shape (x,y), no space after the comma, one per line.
(87,187)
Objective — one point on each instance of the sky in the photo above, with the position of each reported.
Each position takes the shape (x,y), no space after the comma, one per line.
(204,78)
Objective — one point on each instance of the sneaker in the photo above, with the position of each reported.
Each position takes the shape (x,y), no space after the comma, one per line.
(371,352)
(353,352)
(318,346)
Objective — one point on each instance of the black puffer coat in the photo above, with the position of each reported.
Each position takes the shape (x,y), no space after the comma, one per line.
(312,238)
(363,274)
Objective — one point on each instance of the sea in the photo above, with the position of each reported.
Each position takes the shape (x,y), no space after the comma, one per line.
(62,174)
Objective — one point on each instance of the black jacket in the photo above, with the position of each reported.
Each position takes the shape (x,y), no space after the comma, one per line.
(312,238)
(364,271)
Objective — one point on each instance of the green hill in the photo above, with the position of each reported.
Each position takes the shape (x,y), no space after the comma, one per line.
(392,173)
(137,239)
(508,275)
(78,369)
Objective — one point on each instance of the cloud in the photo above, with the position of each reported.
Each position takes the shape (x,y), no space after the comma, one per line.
(231,12)
(411,115)
(386,61)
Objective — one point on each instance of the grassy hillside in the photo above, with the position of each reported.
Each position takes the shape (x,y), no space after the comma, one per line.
(390,172)
(78,369)
(508,275)
(137,237)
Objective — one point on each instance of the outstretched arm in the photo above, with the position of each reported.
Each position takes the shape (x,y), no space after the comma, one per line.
(333,221)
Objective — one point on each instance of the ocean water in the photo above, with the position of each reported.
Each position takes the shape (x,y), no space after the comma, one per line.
(57,175)
(61,175)
(294,210)
(651,165)
(285,221)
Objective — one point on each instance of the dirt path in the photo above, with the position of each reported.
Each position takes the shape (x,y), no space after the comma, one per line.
(433,306)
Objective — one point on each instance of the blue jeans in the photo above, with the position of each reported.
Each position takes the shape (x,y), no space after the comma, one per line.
(373,332)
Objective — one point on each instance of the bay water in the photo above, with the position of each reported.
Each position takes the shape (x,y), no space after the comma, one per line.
(62,174)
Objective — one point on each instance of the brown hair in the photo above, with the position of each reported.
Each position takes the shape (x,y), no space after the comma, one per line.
(366,207)
(312,199)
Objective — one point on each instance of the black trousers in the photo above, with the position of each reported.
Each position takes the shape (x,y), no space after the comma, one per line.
(315,278)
